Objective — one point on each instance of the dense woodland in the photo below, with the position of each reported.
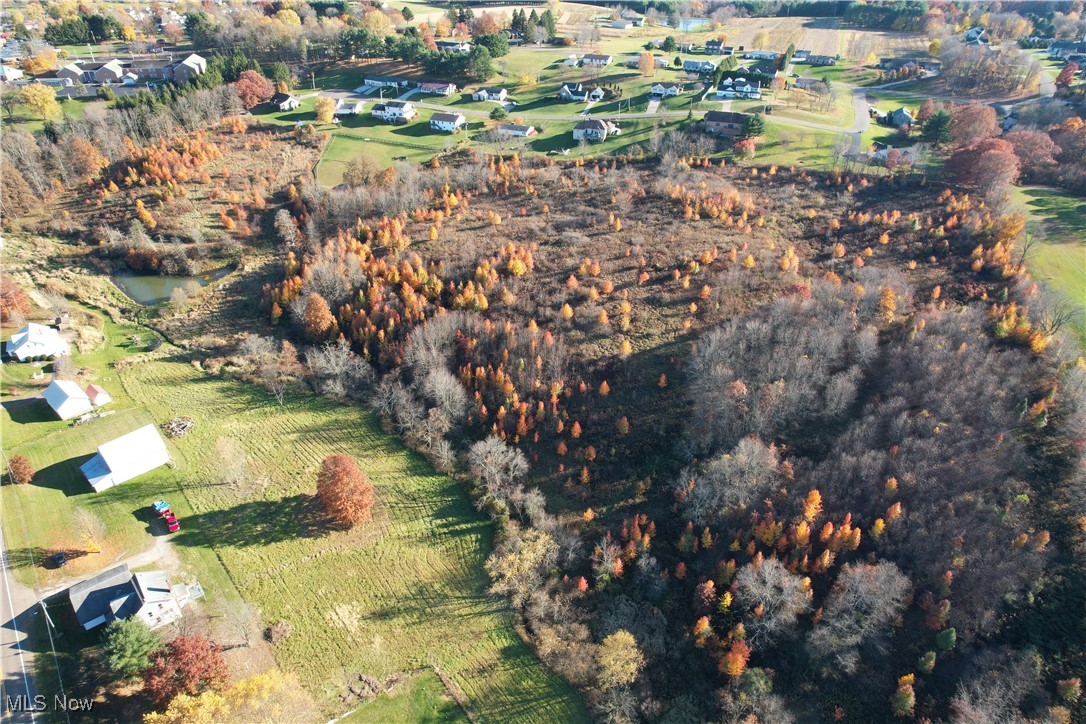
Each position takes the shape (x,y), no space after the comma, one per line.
(819,464)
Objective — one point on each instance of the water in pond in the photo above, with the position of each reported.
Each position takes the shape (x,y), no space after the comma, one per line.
(688,25)
(147,289)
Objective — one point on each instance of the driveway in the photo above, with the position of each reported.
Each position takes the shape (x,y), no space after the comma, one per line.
(654,104)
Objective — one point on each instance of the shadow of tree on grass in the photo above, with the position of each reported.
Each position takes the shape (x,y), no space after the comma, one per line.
(257,522)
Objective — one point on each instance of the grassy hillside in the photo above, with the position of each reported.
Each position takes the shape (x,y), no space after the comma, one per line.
(1059,260)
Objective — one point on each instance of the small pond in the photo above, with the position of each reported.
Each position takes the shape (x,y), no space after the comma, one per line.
(148,289)
(688,25)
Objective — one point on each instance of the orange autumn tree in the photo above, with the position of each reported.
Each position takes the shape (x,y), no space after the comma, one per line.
(318,319)
(344,491)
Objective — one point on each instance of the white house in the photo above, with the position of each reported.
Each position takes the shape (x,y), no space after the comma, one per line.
(98,396)
(577,92)
(516,129)
(127,457)
(447,122)
(285,102)
(36,340)
(699,66)
(490,94)
(438,89)
(666,90)
(594,129)
(9,73)
(762,54)
(595,60)
(739,88)
(349,107)
(118,594)
(453,46)
(67,399)
(395,111)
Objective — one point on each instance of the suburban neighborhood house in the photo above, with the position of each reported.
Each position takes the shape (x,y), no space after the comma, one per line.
(594,129)
(658,61)
(36,341)
(285,102)
(67,399)
(595,60)
(9,74)
(117,594)
(395,111)
(666,90)
(699,66)
(724,123)
(717,47)
(349,107)
(739,88)
(114,71)
(577,92)
(438,89)
(453,46)
(901,117)
(127,457)
(448,122)
(516,129)
(490,94)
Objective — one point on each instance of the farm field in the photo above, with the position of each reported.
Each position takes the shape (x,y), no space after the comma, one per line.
(1059,259)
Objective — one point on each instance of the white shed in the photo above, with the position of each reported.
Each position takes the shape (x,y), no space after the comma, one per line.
(67,399)
(36,340)
(127,457)
(98,396)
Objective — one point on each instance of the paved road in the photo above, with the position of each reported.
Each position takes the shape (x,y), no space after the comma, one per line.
(17,612)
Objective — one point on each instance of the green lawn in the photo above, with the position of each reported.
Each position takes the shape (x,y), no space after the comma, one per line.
(1059,260)
(422,699)
(69,108)
(787,145)
(844,72)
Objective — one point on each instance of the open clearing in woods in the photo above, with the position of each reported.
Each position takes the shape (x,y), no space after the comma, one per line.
(404,591)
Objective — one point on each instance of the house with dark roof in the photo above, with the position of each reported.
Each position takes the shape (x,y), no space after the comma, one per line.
(739,88)
(285,102)
(594,129)
(691,65)
(724,123)
(453,46)
(395,111)
(447,122)
(118,594)
(901,117)
(595,60)
(821,60)
(666,90)
(578,92)
(717,47)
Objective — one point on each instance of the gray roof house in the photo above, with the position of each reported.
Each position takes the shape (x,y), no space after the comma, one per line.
(117,594)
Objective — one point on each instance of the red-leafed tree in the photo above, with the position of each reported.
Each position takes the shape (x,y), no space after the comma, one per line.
(988,164)
(1036,151)
(924,112)
(187,665)
(344,491)
(13,302)
(1066,76)
(972,122)
(21,470)
(253,88)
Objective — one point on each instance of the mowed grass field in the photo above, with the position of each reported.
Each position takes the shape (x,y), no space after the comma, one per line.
(403,592)
(1059,260)
(398,593)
